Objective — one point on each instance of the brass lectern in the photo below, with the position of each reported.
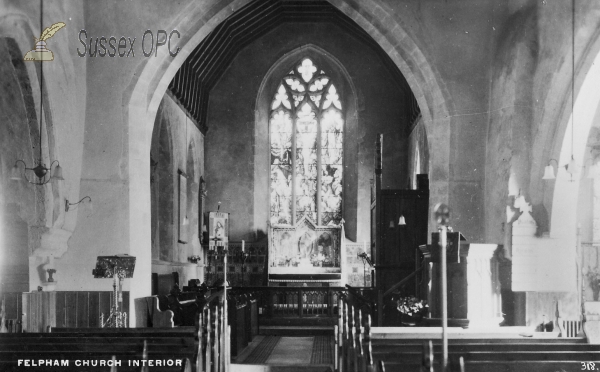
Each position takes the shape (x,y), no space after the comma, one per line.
(117,267)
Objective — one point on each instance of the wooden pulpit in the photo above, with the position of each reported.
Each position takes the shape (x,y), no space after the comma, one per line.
(474,298)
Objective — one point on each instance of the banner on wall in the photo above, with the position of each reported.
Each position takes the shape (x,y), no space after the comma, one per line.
(218,229)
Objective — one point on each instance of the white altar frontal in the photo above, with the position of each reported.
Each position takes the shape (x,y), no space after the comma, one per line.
(305,253)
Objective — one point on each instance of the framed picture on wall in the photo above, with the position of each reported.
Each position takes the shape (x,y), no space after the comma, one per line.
(183,218)
(218,229)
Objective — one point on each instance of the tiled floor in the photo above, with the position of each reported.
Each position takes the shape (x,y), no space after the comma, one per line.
(292,350)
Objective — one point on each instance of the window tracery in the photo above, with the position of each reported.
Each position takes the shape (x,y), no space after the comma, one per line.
(306,141)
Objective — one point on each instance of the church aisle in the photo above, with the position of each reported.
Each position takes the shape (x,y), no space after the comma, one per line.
(292,350)
(289,351)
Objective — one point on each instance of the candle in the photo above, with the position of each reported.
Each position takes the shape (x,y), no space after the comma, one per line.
(243,247)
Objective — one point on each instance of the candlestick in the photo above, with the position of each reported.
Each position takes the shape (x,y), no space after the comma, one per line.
(243,248)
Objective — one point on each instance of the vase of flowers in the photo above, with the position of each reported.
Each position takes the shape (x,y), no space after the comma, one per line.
(411,310)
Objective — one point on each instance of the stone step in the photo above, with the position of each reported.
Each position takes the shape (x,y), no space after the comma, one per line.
(484,356)
(521,340)
(494,347)
(535,366)
(295,321)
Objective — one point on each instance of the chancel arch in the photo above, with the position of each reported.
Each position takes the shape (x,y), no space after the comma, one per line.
(146,90)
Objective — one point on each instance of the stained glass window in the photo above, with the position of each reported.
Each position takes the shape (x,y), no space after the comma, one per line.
(306,137)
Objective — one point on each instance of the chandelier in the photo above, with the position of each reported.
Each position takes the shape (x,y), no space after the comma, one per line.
(42,174)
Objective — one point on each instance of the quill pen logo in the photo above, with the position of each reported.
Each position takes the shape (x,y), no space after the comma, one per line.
(41,53)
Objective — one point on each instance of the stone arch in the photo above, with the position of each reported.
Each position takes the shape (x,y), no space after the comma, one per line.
(50,227)
(563,216)
(163,190)
(560,197)
(31,211)
(423,79)
(143,95)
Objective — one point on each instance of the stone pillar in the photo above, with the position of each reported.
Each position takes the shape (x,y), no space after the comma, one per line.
(201,268)
(596,210)
(524,257)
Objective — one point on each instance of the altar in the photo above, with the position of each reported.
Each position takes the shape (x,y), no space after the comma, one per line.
(305,253)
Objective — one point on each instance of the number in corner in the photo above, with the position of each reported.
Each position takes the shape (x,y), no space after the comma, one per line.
(588,366)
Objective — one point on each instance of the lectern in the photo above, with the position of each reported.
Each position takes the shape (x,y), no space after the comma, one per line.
(117,267)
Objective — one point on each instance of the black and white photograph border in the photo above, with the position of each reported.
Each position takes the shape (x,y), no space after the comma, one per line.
(452,146)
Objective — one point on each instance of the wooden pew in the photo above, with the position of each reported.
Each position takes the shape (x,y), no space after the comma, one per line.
(206,344)
(242,311)
(358,348)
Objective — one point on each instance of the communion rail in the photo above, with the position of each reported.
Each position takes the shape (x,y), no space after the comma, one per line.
(304,302)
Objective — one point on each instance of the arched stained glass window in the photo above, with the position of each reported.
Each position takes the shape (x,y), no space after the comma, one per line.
(306,137)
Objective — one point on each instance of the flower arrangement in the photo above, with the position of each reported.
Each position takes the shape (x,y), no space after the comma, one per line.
(412,306)
(195,259)
(593,276)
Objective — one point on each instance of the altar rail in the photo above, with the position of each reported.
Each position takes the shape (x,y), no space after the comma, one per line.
(306,302)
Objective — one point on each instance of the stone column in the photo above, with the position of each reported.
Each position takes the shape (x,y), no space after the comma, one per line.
(596,210)
(202,200)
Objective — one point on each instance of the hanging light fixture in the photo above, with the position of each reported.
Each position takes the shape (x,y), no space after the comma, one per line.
(549,171)
(572,168)
(401,221)
(42,173)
